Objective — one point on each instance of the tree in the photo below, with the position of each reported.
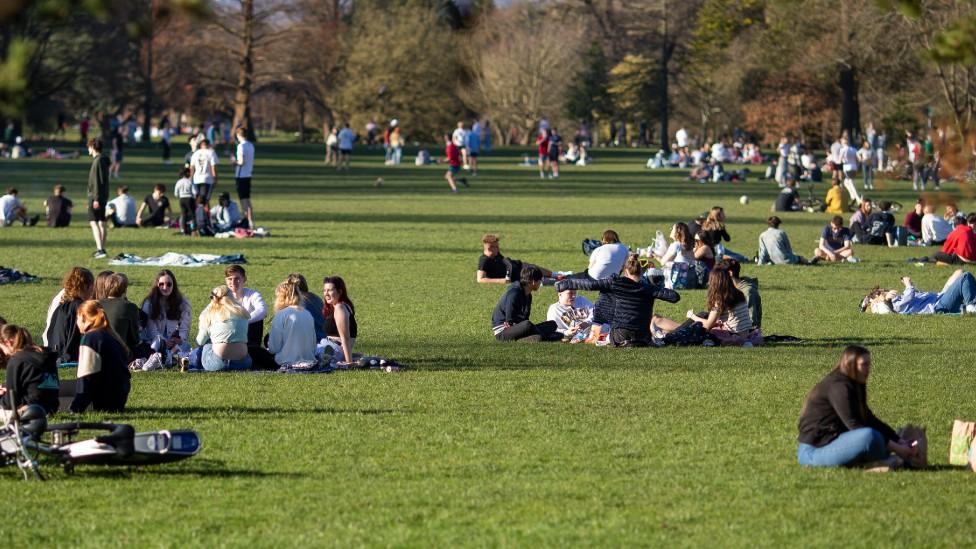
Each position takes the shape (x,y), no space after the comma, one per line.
(522,62)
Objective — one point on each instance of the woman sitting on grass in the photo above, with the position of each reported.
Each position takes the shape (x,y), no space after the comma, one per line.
(103,375)
(681,249)
(836,426)
(713,233)
(223,333)
(340,317)
(32,372)
(957,296)
(633,302)
(169,314)
(292,335)
(728,320)
(63,335)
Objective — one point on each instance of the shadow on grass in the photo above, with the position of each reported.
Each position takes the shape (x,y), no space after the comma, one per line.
(210,412)
(210,468)
(831,342)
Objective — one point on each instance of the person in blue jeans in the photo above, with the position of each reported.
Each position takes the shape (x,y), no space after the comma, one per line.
(223,333)
(957,296)
(837,428)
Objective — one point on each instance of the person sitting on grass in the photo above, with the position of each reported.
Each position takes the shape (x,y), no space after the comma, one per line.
(681,249)
(58,208)
(633,302)
(226,216)
(749,288)
(728,318)
(880,229)
(835,242)
(836,200)
(340,325)
(292,336)
(63,334)
(12,209)
(201,217)
(158,205)
(168,315)
(859,221)
(912,227)
(510,318)
(958,295)
(121,210)
(836,426)
(31,372)
(775,248)
(103,375)
(960,245)
(788,199)
(122,315)
(223,333)
(494,268)
(713,233)
(935,229)
(571,313)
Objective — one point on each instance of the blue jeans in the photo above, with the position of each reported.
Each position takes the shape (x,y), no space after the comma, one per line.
(213,363)
(857,446)
(961,292)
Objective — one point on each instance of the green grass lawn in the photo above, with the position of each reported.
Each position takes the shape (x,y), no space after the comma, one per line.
(490,444)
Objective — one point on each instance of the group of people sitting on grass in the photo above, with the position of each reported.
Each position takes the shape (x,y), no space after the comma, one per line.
(92,324)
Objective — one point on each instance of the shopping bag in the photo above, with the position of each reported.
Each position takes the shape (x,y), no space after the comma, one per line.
(963,433)
(660,244)
(915,436)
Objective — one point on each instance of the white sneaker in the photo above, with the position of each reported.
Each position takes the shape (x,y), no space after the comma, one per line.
(852,260)
(971,308)
(154,362)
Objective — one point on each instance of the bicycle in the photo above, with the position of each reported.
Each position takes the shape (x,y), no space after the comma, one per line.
(27,439)
(811,203)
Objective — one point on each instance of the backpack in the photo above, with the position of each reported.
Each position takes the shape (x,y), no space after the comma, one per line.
(678,276)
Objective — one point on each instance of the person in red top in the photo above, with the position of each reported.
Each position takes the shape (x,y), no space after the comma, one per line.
(960,247)
(543,142)
(453,164)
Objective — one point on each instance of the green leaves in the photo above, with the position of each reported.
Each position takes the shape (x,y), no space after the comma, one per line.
(13,82)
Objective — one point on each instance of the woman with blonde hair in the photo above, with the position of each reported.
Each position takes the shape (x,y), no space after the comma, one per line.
(223,333)
(63,335)
(292,336)
(103,378)
(836,426)
(713,233)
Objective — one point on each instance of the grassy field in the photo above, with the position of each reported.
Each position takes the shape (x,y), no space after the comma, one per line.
(490,444)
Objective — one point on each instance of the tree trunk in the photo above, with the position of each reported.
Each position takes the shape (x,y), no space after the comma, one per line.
(850,112)
(666,51)
(301,120)
(147,99)
(245,76)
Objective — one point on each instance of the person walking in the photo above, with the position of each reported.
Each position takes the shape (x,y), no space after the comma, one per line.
(98,177)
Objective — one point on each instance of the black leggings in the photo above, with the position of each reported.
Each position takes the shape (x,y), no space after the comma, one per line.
(951,259)
(187,211)
(546,331)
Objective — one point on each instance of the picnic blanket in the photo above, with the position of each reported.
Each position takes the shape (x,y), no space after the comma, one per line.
(11,276)
(260,232)
(172,259)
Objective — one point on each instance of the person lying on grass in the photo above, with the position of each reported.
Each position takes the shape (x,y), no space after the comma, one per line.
(633,302)
(728,320)
(958,295)
(510,319)
(494,268)
(837,428)
(835,242)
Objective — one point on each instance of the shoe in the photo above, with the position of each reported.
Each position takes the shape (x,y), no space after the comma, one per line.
(852,260)
(154,362)
(886,465)
(970,309)
(708,343)
(32,221)
(99,254)
(464,181)
(184,363)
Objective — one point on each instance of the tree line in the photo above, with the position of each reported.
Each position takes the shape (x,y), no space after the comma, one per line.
(808,68)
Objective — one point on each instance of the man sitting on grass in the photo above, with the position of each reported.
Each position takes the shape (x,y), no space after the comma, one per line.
(494,268)
(835,242)
(571,313)
(510,319)
(775,248)
(12,209)
(959,247)
(958,295)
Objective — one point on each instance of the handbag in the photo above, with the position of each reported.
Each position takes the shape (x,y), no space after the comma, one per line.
(915,435)
(963,433)
(677,276)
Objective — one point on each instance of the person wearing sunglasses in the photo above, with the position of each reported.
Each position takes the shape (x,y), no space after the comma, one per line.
(168,312)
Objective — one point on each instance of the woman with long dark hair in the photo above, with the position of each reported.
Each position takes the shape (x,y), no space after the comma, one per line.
(340,315)
(836,426)
(168,312)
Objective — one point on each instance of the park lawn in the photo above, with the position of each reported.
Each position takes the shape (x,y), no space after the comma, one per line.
(489,444)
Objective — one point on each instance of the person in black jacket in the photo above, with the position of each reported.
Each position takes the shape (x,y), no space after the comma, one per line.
(123,315)
(633,302)
(98,177)
(510,319)
(836,426)
(63,335)
(103,378)
(32,373)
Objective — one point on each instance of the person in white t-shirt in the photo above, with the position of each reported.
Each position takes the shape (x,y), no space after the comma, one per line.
(571,313)
(203,169)
(847,159)
(244,161)
(12,209)
(608,259)
(681,136)
(121,210)
(460,140)
(346,138)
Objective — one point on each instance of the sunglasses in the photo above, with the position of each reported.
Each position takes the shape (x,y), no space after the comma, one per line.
(165,285)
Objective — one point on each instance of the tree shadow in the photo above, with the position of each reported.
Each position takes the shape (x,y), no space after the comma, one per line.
(209,412)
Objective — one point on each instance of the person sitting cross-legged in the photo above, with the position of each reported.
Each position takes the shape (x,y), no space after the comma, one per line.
(835,242)
(775,248)
(510,319)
